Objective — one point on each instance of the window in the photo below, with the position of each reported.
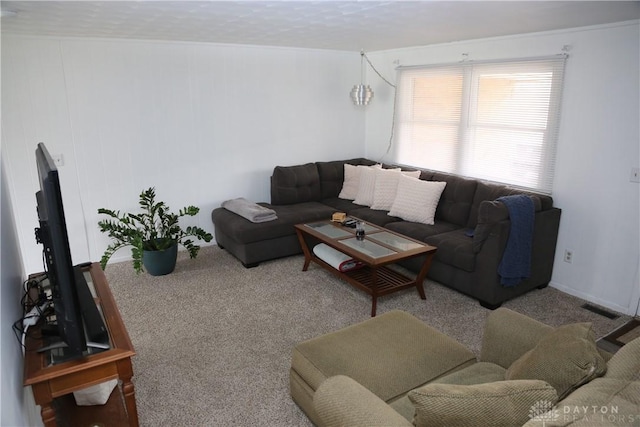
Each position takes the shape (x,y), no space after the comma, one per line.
(494,121)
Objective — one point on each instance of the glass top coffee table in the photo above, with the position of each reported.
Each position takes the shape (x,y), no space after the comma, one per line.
(379,249)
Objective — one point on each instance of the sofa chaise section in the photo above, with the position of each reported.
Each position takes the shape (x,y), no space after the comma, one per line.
(296,194)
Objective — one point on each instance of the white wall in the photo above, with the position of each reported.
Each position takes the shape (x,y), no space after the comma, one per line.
(598,145)
(17,407)
(202,123)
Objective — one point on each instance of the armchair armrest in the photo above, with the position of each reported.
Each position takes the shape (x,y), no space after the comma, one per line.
(342,401)
(508,335)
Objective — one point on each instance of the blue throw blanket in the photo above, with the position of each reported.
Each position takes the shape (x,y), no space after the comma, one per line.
(516,260)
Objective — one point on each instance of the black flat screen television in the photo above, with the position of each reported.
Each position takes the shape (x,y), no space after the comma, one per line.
(79,327)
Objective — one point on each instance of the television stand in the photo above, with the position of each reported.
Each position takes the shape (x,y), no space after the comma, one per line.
(52,384)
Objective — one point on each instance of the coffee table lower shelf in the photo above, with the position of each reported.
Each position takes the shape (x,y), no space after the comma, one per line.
(375,281)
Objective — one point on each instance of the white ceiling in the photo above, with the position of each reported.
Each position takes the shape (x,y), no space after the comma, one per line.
(340,25)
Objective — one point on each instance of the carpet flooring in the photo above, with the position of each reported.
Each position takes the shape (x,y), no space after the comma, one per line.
(214,340)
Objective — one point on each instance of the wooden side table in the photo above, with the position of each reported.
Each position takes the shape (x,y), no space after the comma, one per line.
(57,381)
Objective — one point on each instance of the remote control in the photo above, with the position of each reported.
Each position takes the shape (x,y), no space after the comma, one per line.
(351,223)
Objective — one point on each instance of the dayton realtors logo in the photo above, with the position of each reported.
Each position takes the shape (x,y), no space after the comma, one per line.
(597,414)
(544,411)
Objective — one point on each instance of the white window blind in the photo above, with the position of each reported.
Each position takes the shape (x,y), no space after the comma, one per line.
(495,121)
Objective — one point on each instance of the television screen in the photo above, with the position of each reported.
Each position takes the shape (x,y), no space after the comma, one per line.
(74,307)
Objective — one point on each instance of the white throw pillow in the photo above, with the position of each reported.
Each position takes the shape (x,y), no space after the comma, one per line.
(417,200)
(387,186)
(366,187)
(352,180)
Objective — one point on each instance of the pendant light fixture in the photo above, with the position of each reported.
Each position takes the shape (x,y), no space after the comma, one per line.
(361,94)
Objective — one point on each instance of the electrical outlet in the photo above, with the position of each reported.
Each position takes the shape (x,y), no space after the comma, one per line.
(568,256)
(635,175)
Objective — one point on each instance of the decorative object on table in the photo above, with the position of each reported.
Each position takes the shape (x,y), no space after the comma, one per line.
(335,258)
(339,217)
(153,234)
(360,230)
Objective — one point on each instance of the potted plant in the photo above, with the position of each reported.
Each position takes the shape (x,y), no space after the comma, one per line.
(153,234)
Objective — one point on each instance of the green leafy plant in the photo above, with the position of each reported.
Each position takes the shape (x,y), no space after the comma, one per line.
(155,229)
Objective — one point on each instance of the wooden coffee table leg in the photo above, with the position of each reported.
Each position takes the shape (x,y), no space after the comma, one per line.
(423,274)
(305,250)
(374,291)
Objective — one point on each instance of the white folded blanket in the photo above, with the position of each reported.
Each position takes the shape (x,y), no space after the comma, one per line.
(249,210)
(335,258)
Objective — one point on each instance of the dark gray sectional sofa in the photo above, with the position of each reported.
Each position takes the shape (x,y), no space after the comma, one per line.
(309,192)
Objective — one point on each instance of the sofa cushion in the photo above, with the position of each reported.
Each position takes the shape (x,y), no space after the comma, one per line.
(478,373)
(416,200)
(419,231)
(457,197)
(455,248)
(295,184)
(369,352)
(378,217)
(341,205)
(566,358)
(501,403)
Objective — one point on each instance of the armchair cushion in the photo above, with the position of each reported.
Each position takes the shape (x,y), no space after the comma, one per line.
(500,403)
(565,358)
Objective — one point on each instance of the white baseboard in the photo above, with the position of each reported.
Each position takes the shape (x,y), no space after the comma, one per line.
(607,304)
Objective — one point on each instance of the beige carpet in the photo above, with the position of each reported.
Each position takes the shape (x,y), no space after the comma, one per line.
(214,339)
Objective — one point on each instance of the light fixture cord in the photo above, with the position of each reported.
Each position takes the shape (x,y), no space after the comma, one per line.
(393,125)
(364,55)
(393,116)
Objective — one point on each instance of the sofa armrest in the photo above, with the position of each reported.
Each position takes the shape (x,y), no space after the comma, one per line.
(508,335)
(342,401)
(490,213)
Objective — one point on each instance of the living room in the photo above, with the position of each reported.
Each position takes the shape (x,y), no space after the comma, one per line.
(206,122)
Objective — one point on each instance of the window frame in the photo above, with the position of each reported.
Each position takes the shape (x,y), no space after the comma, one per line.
(406,144)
